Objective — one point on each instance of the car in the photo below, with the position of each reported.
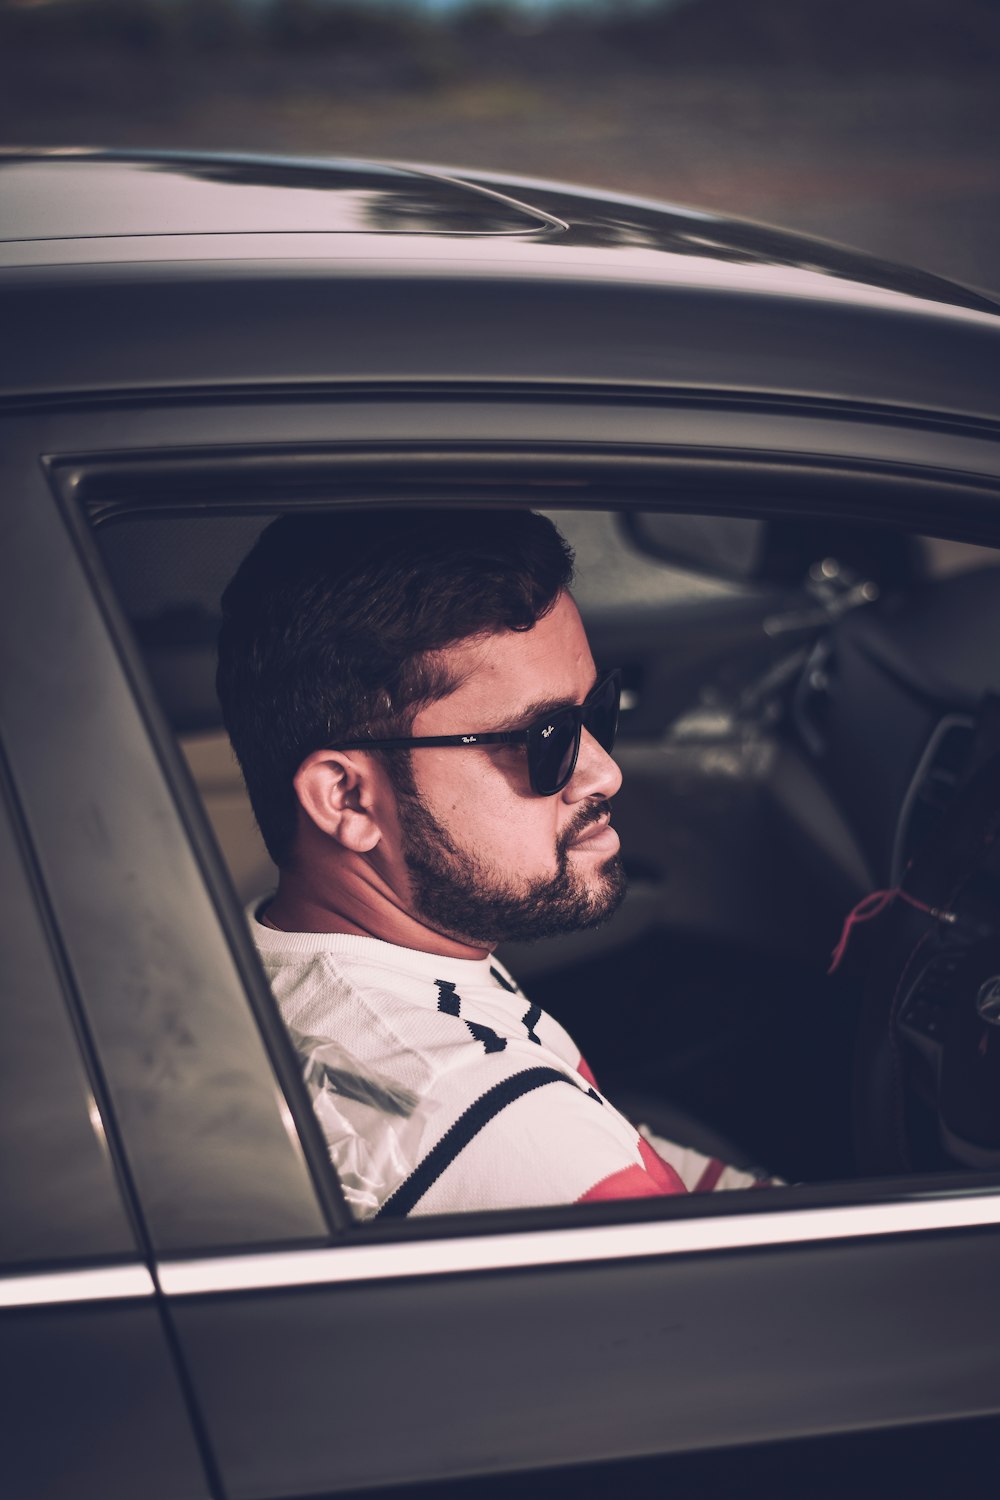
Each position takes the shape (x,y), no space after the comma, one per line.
(779,464)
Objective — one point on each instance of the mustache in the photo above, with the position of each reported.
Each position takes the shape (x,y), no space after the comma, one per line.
(591,812)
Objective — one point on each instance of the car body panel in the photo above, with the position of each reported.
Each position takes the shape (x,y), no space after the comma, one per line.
(626,295)
(93,1405)
(167,197)
(319,1390)
(300,322)
(604,354)
(89,195)
(246,1353)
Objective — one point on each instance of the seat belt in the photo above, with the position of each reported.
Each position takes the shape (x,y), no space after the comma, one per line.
(465,1129)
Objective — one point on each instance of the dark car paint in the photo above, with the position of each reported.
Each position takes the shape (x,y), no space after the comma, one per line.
(725,309)
(153,371)
(90,196)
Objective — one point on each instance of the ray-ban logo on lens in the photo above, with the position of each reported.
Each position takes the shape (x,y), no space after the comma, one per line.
(547,732)
(988,1001)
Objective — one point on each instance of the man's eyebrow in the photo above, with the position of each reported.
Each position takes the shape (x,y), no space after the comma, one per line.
(539,709)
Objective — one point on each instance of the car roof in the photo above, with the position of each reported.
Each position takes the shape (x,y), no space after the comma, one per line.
(72,196)
(82,195)
(394,271)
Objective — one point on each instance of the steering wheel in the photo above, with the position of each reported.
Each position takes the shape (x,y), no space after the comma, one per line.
(927,1074)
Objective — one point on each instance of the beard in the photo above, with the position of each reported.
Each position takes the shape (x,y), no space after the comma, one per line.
(461,896)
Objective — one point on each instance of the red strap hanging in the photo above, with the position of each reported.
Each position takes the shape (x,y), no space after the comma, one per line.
(874,905)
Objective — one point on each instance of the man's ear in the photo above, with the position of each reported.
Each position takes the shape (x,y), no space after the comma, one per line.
(337,792)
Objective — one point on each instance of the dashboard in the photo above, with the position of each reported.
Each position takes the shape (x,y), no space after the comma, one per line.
(894,706)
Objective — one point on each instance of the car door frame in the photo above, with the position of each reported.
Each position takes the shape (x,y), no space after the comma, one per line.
(638,1329)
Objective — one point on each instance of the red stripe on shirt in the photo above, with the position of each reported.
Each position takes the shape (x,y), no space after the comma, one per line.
(630,1182)
(660,1171)
(583,1068)
(654,1179)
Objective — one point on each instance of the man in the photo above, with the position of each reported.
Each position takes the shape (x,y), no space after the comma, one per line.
(426,743)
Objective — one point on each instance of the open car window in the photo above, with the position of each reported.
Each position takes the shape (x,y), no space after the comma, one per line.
(799,712)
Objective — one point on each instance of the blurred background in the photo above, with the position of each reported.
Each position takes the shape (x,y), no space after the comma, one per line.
(872,122)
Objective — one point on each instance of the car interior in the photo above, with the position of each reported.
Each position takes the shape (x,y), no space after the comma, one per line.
(808,717)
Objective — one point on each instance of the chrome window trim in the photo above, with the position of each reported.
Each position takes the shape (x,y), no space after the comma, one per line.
(95,1284)
(493,1252)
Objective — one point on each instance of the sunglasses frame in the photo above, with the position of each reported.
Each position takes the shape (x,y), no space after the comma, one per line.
(535,733)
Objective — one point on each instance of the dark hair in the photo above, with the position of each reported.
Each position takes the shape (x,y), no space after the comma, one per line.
(328,623)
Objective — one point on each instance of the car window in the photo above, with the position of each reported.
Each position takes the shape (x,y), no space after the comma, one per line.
(770,772)
(57,1184)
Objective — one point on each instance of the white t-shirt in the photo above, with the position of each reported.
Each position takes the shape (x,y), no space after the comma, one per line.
(442,1065)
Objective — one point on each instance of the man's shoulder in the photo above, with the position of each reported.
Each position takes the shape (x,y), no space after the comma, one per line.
(339,990)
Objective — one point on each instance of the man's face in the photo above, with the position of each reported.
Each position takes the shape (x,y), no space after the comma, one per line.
(487,859)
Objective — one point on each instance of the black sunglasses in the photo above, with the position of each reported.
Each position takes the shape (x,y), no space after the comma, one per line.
(553,741)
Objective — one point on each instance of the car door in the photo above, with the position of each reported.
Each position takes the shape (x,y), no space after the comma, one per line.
(93,1403)
(322,1356)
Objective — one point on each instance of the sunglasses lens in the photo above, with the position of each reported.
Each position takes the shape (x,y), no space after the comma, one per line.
(554,744)
(601,713)
(552,749)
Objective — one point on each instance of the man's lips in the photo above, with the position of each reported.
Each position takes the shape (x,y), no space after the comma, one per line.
(595,832)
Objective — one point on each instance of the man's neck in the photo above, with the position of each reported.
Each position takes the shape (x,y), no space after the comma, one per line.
(297,907)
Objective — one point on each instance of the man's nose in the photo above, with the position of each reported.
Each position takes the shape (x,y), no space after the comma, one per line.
(596,773)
